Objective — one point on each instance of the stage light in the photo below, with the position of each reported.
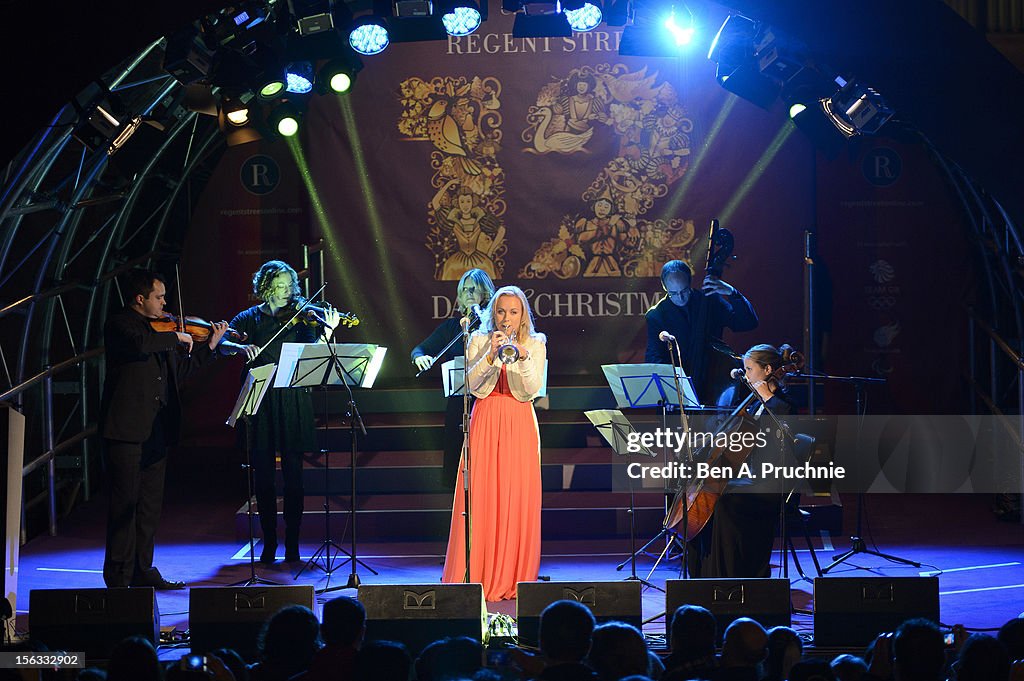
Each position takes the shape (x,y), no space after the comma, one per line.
(272,85)
(804,96)
(797,109)
(249,15)
(461,18)
(586,18)
(285,119)
(369,35)
(298,77)
(856,109)
(682,35)
(236,112)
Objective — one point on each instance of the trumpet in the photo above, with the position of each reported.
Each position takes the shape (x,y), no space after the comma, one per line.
(508,353)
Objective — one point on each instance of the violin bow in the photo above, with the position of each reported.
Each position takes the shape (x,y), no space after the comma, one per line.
(181,301)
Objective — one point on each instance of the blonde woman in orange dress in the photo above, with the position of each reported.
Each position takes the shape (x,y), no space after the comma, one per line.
(504,446)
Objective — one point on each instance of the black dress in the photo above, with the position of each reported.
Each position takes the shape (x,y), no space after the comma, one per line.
(283,424)
(431,345)
(737,541)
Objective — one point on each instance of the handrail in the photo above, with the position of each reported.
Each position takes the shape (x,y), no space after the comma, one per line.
(50,372)
(994,335)
(45,457)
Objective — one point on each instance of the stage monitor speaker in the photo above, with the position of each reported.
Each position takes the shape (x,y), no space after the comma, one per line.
(92,621)
(232,616)
(766,601)
(419,614)
(852,611)
(607,601)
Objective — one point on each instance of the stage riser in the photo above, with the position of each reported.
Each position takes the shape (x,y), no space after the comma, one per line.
(433,525)
(408,480)
(421,437)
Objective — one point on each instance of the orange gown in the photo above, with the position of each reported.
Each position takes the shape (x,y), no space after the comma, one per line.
(504,497)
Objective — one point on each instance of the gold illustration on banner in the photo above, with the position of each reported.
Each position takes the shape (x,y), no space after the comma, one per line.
(462,119)
(610,237)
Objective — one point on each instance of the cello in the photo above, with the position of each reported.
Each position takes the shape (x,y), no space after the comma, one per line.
(695,500)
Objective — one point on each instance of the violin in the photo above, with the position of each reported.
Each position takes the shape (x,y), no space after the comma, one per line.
(198,328)
(700,496)
(316,315)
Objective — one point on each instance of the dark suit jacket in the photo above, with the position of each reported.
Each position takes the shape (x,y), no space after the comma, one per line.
(132,385)
(733,312)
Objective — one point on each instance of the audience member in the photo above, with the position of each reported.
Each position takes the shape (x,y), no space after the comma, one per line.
(618,650)
(566,628)
(382,661)
(342,631)
(916,652)
(849,668)
(448,658)
(982,658)
(692,640)
(287,644)
(784,650)
(134,659)
(234,662)
(744,650)
(811,670)
(1011,635)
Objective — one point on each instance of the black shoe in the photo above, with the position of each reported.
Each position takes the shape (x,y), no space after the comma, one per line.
(269,553)
(156,580)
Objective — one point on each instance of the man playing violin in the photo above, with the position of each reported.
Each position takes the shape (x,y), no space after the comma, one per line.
(284,422)
(140,417)
(696,319)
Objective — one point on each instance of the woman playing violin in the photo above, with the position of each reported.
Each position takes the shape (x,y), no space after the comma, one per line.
(284,422)
(737,541)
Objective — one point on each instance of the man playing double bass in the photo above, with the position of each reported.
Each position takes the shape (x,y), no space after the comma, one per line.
(695,319)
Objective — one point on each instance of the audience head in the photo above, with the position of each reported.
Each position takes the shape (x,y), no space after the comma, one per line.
(849,668)
(382,661)
(565,631)
(784,650)
(344,622)
(919,652)
(290,639)
(745,644)
(234,662)
(982,658)
(455,657)
(618,650)
(693,632)
(134,659)
(811,670)
(1011,635)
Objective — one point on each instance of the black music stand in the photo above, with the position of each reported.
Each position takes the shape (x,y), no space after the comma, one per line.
(324,364)
(615,429)
(644,386)
(249,399)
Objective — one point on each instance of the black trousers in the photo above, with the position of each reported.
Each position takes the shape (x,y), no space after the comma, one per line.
(135,476)
(264,468)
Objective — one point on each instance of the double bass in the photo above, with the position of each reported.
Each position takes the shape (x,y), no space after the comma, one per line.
(700,496)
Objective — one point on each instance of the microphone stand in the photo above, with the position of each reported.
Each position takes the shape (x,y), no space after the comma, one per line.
(684,570)
(465,439)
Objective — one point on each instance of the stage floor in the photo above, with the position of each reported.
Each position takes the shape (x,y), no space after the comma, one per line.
(979,560)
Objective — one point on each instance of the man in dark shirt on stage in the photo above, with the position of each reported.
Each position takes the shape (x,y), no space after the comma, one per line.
(140,415)
(696,319)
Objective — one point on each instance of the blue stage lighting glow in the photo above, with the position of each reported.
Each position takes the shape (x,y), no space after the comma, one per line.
(682,35)
(299,77)
(461,21)
(585,18)
(369,39)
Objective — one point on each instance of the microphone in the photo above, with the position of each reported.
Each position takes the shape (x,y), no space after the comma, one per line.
(666,337)
(737,374)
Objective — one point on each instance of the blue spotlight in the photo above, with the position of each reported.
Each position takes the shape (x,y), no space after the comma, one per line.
(682,35)
(298,77)
(586,18)
(461,20)
(369,36)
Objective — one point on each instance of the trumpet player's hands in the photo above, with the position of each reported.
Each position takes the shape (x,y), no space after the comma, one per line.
(422,362)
